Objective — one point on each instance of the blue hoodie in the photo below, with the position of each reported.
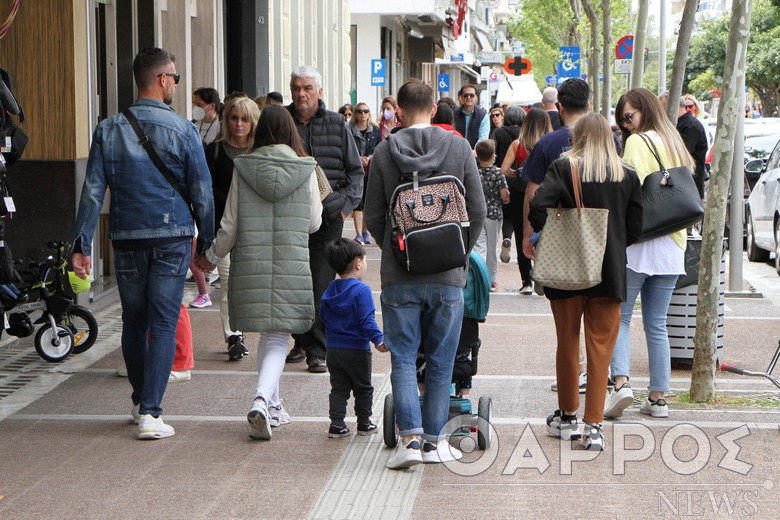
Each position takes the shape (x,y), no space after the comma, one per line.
(348,312)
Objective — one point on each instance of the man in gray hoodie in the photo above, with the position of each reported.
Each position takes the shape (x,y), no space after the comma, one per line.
(420,309)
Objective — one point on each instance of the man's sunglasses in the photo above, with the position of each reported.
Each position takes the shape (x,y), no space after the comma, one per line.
(362,111)
(469,95)
(175,75)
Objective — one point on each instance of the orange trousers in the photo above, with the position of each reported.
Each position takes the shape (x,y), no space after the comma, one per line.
(602,323)
(184,359)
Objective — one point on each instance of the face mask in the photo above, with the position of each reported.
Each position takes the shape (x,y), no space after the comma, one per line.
(198,113)
(389,113)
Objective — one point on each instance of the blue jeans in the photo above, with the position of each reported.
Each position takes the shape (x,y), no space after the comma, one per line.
(656,293)
(151,284)
(429,315)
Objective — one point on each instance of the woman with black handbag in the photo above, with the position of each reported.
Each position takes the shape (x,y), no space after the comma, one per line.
(654,264)
(591,167)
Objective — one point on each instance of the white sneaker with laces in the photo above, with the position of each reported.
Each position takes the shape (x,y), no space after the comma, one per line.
(179,375)
(405,455)
(259,420)
(617,401)
(657,408)
(279,416)
(151,428)
(440,452)
(582,381)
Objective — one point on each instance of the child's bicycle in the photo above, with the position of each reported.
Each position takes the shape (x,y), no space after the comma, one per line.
(768,374)
(66,327)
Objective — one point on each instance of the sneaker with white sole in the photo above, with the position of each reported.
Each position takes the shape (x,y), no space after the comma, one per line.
(527,290)
(152,428)
(439,452)
(135,412)
(201,302)
(618,400)
(179,375)
(367,428)
(259,420)
(563,425)
(657,408)
(279,416)
(506,250)
(592,437)
(337,432)
(582,381)
(405,455)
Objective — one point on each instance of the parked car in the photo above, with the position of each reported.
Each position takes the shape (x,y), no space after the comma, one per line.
(763,211)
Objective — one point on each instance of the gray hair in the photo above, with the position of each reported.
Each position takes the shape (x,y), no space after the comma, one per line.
(514,116)
(550,95)
(681,102)
(307,72)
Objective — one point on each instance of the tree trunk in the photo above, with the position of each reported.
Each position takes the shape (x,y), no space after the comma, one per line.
(769,93)
(573,38)
(606,87)
(593,62)
(638,67)
(681,58)
(704,341)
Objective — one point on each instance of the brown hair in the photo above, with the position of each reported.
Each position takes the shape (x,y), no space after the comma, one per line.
(535,125)
(277,127)
(485,149)
(415,97)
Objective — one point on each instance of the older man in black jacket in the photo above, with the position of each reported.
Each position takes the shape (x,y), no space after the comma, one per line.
(695,138)
(328,139)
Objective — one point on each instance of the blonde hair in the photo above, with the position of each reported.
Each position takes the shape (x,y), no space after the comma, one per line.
(246,109)
(593,148)
(353,119)
(697,108)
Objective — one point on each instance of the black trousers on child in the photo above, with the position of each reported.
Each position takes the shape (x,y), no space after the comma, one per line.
(350,370)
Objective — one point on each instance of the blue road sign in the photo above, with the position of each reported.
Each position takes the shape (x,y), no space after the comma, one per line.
(569,66)
(550,79)
(443,82)
(378,73)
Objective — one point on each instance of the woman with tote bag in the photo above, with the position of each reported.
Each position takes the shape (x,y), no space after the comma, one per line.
(606,182)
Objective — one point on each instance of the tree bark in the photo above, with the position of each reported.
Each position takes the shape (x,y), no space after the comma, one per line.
(705,339)
(606,86)
(594,52)
(640,36)
(681,58)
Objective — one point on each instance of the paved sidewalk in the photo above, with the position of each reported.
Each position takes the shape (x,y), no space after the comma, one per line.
(68,449)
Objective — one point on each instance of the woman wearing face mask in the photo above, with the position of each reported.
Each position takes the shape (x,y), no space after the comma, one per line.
(205,113)
(389,120)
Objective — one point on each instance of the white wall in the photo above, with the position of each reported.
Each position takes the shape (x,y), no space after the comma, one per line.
(369,33)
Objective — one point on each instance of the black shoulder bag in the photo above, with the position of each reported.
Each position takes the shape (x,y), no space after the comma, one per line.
(144,141)
(670,199)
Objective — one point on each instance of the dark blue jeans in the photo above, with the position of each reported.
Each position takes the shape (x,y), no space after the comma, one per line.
(151,284)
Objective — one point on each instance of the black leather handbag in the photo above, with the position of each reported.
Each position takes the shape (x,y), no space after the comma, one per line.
(670,199)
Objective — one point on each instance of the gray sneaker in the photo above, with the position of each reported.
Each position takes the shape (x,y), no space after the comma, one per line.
(617,401)
(563,426)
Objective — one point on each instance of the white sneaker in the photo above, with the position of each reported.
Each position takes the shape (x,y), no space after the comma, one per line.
(657,408)
(179,375)
(618,400)
(527,290)
(151,427)
(259,420)
(592,437)
(121,371)
(583,383)
(405,456)
(279,416)
(135,411)
(440,452)
(563,426)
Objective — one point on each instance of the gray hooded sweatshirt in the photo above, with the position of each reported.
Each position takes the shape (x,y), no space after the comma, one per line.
(421,149)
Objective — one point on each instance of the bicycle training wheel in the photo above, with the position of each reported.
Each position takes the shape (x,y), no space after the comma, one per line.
(84,327)
(54,345)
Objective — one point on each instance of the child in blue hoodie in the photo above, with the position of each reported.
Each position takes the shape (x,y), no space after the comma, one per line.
(348,312)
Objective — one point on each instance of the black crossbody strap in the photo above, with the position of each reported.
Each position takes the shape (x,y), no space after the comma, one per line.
(650,144)
(144,141)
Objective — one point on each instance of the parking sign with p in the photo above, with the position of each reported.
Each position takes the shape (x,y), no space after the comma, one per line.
(377,73)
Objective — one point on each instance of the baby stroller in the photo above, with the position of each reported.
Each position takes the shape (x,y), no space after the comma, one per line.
(476,303)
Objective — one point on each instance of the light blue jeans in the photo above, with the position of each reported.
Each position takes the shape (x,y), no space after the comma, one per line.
(656,293)
(431,315)
(151,284)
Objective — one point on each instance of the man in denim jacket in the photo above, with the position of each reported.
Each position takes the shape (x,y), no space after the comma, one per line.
(150,226)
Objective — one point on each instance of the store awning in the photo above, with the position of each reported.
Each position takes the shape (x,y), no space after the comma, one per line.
(519,90)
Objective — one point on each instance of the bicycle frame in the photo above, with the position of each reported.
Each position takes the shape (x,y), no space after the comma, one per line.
(768,374)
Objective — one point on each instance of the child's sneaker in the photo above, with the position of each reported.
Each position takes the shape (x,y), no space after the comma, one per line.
(279,416)
(336,432)
(367,428)
(592,437)
(563,426)
(405,456)
(439,452)
(202,301)
(259,421)
(359,240)
(618,400)
(657,408)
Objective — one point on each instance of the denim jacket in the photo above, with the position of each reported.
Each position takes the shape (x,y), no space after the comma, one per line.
(143,204)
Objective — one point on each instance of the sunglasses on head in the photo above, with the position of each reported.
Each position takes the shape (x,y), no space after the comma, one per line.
(362,111)
(175,75)
(469,95)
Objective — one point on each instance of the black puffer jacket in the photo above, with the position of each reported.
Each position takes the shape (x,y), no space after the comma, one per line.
(332,145)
